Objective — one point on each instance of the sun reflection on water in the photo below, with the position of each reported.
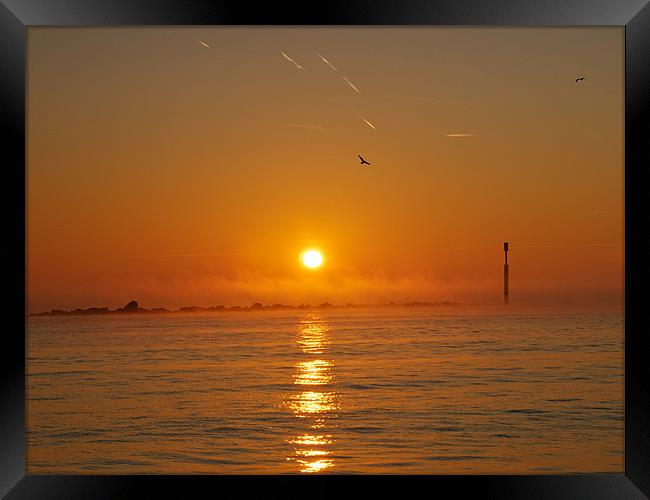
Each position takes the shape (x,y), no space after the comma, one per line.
(312,335)
(316,465)
(315,405)
(308,402)
(316,372)
(310,439)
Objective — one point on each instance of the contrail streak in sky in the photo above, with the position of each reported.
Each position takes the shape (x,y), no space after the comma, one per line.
(351,84)
(369,124)
(327,62)
(204,44)
(354,87)
(294,62)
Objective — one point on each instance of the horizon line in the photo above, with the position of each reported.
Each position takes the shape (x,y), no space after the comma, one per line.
(134,307)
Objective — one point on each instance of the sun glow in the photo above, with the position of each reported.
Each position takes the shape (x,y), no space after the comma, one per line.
(312,258)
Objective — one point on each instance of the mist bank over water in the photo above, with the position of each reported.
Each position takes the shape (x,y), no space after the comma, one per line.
(444,307)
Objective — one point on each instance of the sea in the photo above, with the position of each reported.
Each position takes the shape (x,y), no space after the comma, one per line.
(340,391)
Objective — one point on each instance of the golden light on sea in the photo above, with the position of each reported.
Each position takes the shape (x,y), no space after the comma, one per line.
(315,466)
(312,335)
(312,459)
(310,402)
(316,372)
(316,404)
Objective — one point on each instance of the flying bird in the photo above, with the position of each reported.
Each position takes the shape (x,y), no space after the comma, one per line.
(204,44)
(363,161)
(580,78)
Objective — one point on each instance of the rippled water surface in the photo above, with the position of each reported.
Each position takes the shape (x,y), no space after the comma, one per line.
(404,392)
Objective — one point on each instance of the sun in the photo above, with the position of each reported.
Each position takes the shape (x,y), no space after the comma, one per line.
(312,258)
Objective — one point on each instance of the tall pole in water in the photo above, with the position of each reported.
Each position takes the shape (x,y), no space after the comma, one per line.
(505,274)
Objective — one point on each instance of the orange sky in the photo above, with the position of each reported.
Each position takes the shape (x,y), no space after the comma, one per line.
(174,174)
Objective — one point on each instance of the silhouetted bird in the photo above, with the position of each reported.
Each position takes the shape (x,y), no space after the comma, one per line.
(580,78)
(363,161)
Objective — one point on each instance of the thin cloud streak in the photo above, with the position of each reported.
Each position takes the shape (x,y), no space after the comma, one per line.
(294,62)
(424,98)
(499,247)
(305,125)
(561,245)
(181,255)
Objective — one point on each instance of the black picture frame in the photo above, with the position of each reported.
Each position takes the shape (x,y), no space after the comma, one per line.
(16,16)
